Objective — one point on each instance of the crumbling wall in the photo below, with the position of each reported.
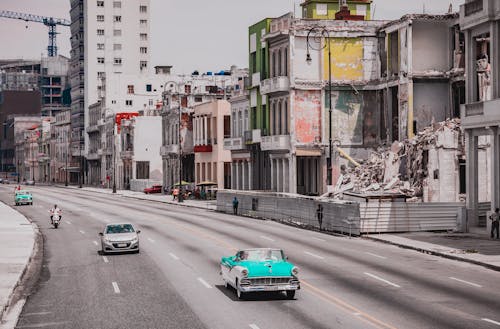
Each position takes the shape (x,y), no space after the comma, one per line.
(347,59)
(347,117)
(430,46)
(371,118)
(307,112)
(431,101)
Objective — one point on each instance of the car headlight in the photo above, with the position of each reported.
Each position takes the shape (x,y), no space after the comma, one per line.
(295,270)
(134,240)
(244,272)
(107,240)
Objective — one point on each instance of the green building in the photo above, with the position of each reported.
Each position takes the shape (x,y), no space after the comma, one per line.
(326,9)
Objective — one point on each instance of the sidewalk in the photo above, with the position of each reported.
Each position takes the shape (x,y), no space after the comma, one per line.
(475,248)
(202,204)
(17,241)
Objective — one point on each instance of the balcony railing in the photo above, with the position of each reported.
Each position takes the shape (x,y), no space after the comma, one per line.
(126,154)
(169,149)
(253,136)
(474,109)
(473,7)
(235,143)
(274,85)
(274,143)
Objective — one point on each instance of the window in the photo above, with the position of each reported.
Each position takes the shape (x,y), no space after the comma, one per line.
(117,19)
(128,102)
(143,36)
(100,60)
(118,61)
(113,101)
(143,9)
(142,170)
(117,4)
(149,88)
(143,22)
(130,89)
(198,99)
(100,3)
(150,102)
(143,64)
(321,9)
(253,62)
(117,33)
(101,75)
(100,32)
(144,50)
(117,46)
(100,18)
(100,46)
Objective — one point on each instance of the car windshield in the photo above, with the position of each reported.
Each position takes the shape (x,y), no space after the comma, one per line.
(259,255)
(23,193)
(121,228)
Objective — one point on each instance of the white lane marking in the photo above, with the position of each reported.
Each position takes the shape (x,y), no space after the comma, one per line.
(151,240)
(491,321)
(115,287)
(375,255)
(383,280)
(266,238)
(313,255)
(356,314)
(41,325)
(253,326)
(173,256)
(203,282)
(105,259)
(68,222)
(36,313)
(467,282)
(83,232)
(95,242)
(315,238)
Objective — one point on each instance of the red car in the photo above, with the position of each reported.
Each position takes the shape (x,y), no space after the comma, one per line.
(153,189)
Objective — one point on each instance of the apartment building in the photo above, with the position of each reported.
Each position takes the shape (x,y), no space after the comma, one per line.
(480,116)
(108,38)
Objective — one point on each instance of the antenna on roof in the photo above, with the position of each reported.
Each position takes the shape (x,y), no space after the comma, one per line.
(450,8)
(373,11)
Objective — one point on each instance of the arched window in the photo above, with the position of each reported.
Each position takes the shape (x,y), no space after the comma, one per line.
(278,71)
(285,119)
(280,118)
(285,69)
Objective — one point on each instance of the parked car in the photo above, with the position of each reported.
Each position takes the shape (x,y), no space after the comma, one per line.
(5,181)
(153,189)
(23,197)
(1,180)
(29,182)
(119,238)
(261,269)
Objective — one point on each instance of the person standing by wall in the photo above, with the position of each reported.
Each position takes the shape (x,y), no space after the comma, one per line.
(319,216)
(495,217)
(235,206)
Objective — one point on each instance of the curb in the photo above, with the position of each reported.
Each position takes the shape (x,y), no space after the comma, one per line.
(436,253)
(5,317)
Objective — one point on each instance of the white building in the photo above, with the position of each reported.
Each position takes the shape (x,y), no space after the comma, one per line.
(109,38)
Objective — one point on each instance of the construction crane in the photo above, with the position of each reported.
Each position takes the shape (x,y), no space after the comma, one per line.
(51,22)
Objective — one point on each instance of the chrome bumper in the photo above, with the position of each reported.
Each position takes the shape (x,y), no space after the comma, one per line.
(276,287)
(115,246)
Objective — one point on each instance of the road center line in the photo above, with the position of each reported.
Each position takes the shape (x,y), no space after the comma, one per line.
(203,282)
(375,255)
(491,321)
(173,256)
(383,280)
(313,255)
(83,232)
(115,287)
(151,240)
(36,313)
(253,326)
(95,242)
(266,238)
(467,282)
(68,222)
(105,259)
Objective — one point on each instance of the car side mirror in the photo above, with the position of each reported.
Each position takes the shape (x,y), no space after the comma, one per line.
(101,234)
(139,231)
(286,258)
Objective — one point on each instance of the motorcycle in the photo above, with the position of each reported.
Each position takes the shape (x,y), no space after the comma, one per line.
(56,219)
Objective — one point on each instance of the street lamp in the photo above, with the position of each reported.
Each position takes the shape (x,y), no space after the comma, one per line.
(80,181)
(114,159)
(66,170)
(319,34)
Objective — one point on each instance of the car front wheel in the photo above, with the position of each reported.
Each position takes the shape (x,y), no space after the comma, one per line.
(290,294)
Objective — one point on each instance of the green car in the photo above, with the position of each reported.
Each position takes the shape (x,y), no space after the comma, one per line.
(261,269)
(23,197)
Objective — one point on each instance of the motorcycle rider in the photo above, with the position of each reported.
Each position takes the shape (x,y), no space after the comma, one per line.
(53,212)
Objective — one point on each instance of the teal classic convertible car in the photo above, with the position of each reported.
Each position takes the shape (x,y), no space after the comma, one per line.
(262,269)
(23,197)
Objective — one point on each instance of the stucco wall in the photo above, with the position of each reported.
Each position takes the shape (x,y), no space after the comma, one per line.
(431,50)
(307,114)
(431,102)
(147,144)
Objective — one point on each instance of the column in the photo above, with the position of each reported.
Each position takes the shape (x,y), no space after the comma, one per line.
(273,176)
(471,177)
(244,175)
(495,169)
(233,176)
(495,58)
(284,163)
(249,163)
(279,174)
(205,131)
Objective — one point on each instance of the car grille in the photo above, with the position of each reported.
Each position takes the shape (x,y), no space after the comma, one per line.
(269,281)
(117,245)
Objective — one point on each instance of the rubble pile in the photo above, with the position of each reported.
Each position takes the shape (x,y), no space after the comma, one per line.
(400,168)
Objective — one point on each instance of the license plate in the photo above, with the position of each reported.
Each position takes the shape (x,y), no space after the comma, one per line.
(122,245)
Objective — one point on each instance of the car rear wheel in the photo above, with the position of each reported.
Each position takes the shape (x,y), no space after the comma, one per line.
(290,294)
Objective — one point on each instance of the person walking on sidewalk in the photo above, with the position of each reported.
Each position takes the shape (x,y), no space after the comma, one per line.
(495,217)
(235,206)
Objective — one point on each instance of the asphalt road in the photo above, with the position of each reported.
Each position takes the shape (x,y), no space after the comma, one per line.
(174,282)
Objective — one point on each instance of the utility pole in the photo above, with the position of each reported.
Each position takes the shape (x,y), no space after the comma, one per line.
(179,197)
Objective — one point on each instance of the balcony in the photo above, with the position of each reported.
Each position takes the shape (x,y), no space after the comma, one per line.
(474,109)
(205,148)
(93,156)
(275,85)
(92,129)
(233,144)
(275,143)
(481,114)
(253,136)
(166,150)
(256,79)
(126,155)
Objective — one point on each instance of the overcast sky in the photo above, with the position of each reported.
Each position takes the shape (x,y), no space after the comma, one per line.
(188,34)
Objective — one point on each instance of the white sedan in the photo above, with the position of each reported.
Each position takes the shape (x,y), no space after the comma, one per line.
(119,238)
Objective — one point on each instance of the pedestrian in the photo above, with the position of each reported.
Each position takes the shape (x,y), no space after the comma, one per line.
(319,216)
(495,217)
(175,193)
(235,206)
